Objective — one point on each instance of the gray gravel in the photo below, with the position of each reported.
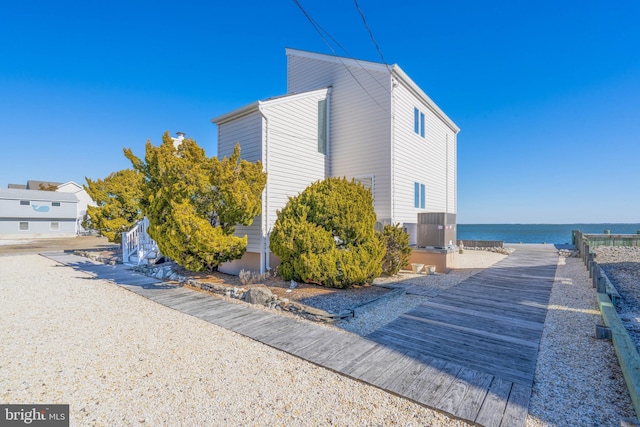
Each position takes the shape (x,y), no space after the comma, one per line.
(622,265)
(120,359)
(578,381)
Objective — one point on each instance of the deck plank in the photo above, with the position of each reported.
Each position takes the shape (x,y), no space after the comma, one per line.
(495,403)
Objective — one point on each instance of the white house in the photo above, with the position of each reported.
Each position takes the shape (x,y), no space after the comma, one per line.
(352,118)
(36,213)
(83,197)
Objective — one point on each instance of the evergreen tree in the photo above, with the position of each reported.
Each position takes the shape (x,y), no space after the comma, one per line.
(194,202)
(326,235)
(118,207)
(396,240)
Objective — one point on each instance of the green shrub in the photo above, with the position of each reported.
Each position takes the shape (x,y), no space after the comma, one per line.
(326,235)
(396,241)
(194,202)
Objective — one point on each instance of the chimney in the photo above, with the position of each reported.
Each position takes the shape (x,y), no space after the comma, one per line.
(177,141)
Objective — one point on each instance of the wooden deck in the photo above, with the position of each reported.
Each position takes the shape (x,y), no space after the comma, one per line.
(470,351)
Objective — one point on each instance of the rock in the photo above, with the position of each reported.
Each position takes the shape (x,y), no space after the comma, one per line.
(258,295)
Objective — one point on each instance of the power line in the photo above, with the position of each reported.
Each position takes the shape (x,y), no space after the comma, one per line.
(320,31)
(373,39)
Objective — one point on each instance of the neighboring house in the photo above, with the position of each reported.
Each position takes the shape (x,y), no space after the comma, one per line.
(82,196)
(37,213)
(345,117)
(84,200)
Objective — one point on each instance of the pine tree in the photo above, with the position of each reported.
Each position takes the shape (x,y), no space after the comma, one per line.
(326,235)
(194,202)
(118,198)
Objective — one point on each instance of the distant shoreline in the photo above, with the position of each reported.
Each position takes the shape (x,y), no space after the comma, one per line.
(538,233)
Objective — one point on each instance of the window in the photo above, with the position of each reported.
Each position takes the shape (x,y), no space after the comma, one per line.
(418,122)
(24,226)
(55,203)
(419,194)
(25,202)
(55,225)
(322,126)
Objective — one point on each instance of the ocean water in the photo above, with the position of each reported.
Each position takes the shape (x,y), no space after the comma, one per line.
(537,233)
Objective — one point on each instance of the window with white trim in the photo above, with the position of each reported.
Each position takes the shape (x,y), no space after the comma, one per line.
(24,226)
(418,122)
(55,225)
(25,202)
(55,203)
(419,193)
(322,126)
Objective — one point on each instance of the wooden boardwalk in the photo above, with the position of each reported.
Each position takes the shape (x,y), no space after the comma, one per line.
(470,351)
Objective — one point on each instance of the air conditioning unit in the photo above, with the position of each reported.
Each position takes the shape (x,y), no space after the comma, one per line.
(436,229)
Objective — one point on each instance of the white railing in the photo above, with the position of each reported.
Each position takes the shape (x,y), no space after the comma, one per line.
(137,244)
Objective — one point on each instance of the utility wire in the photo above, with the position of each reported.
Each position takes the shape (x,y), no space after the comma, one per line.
(320,31)
(373,39)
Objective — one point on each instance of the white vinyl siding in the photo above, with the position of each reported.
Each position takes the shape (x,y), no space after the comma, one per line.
(359,116)
(285,140)
(293,160)
(247,131)
(430,161)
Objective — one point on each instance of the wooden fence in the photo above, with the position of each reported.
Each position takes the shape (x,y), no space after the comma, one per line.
(607,297)
(604,239)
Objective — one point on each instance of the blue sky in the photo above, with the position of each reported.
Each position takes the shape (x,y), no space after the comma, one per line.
(547,94)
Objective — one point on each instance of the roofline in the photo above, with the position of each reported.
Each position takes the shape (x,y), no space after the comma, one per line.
(401,75)
(37,195)
(255,106)
(239,112)
(377,66)
(71,182)
(374,66)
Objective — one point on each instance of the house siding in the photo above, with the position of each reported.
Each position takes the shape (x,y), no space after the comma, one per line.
(292,153)
(359,116)
(247,131)
(429,160)
(286,143)
(39,214)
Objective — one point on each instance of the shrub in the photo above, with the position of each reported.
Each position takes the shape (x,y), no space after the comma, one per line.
(396,241)
(194,202)
(118,203)
(326,235)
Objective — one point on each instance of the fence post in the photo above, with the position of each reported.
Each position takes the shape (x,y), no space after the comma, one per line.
(125,252)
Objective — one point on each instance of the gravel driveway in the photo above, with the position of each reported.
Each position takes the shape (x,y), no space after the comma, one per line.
(119,359)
